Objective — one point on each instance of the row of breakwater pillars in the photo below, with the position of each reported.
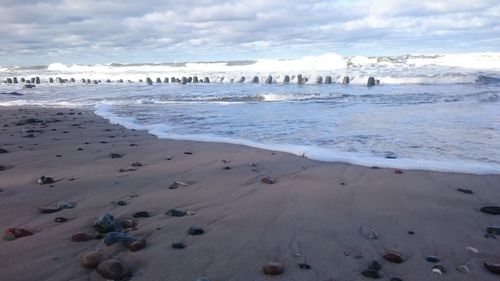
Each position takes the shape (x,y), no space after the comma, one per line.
(299,79)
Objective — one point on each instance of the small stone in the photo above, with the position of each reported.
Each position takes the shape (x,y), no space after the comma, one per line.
(178,245)
(141,214)
(119,237)
(433,259)
(373,274)
(105,223)
(393,256)
(374,265)
(268,180)
(121,203)
(137,245)
(136,164)
(128,223)
(92,259)
(81,237)
(493,267)
(411,232)
(115,155)
(371,234)
(398,171)
(472,249)
(466,191)
(273,268)
(492,210)
(60,219)
(175,213)
(45,180)
(49,210)
(113,269)
(13,233)
(195,230)
(439,269)
(463,269)
(304,266)
(3,150)
(493,230)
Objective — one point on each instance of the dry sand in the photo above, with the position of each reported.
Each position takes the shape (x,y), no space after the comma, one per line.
(317,213)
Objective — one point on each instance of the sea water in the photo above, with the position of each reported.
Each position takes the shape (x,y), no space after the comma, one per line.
(439,112)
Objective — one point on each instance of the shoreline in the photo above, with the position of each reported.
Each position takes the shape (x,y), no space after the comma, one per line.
(317,213)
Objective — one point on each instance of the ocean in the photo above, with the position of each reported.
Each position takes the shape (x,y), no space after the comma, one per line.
(429,112)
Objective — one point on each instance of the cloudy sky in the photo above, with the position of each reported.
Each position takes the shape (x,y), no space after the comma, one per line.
(104,31)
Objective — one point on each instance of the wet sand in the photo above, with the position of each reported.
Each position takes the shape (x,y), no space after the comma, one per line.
(323,214)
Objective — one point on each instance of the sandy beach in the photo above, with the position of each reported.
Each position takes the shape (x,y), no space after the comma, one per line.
(334,217)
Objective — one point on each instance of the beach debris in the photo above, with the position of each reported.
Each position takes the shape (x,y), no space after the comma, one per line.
(141,214)
(466,191)
(493,266)
(433,259)
(113,269)
(492,210)
(273,268)
(60,219)
(304,266)
(463,268)
(472,249)
(14,233)
(92,259)
(105,223)
(373,274)
(393,256)
(178,245)
(115,155)
(118,237)
(177,184)
(137,245)
(195,230)
(439,269)
(81,237)
(374,265)
(175,213)
(45,180)
(268,180)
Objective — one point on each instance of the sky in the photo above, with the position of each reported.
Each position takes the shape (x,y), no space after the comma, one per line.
(34,32)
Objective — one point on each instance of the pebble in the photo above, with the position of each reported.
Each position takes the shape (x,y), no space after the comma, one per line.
(105,223)
(141,214)
(128,223)
(45,180)
(371,234)
(115,237)
(472,249)
(3,150)
(178,245)
(393,256)
(121,203)
(492,210)
(373,274)
(463,269)
(137,245)
(411,232)
(268,180)
(175,213)
(136,164)
(439,269)
(304,266)
(374,265)
(195,230)
(493,267)
(81,237)
(48,210)
(60,219)
(13,233)
(466,191)
(92,259)
(493,230)
(273,268)
(113,269)
(115,155)
(433,259)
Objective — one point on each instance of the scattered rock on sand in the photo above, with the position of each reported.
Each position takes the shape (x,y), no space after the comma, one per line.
(115,155)
(371,234)
(13,233)
(105,223)
(113,269)
(136,164)
(60,219)
(393,256)
(118,237)
(273,268)
(92,259)
(128,223)
(141,214)
(178,245)
(439,269)
(137,245)
(374,265)
(268,180)
(175,213)
(433,259)
(3,150)
(466,191)
(48,210)
(493,230)
(492,210)
(304,266)
(195,230)
(81,237)
(373,274)
(493,266)
(45,180)
(463,269)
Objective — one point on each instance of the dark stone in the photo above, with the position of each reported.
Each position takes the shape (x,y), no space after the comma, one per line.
(398,171)
(141,214)
(136,164)
(8,80)
(12,94)
(328,80)
(37,80)
(206,80)
(60,219)
(45,180)
(183,80)
(108,81)
(190,79)
(3,150)
(304,266)
(33,80)
(28,121)
(49,210)
(115,155)
(492,210)
(18,232)
(286,79)
(269,79)
(195,79)
(3,168)
(188,153)
(178,245)
(268,180)
(393,256)
(137,245)
(466,191)
(92,259)
(175,213)
(433,259)
(374,265)
(371,82)
(23,80)
(105,223)
(113,269)
(273,268)
(158,80)
(165,80)
(396,279)
(346,80)
(195,230)
(319,80)
(81,237)
(121,203)
(242,79)
(15,80)
(300,80)
(373,274)
(72,80)
(255,79)
(118,237)
(493,230)
(493,267)
(149,81)
(411,232)
(128,223)
(28,86)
